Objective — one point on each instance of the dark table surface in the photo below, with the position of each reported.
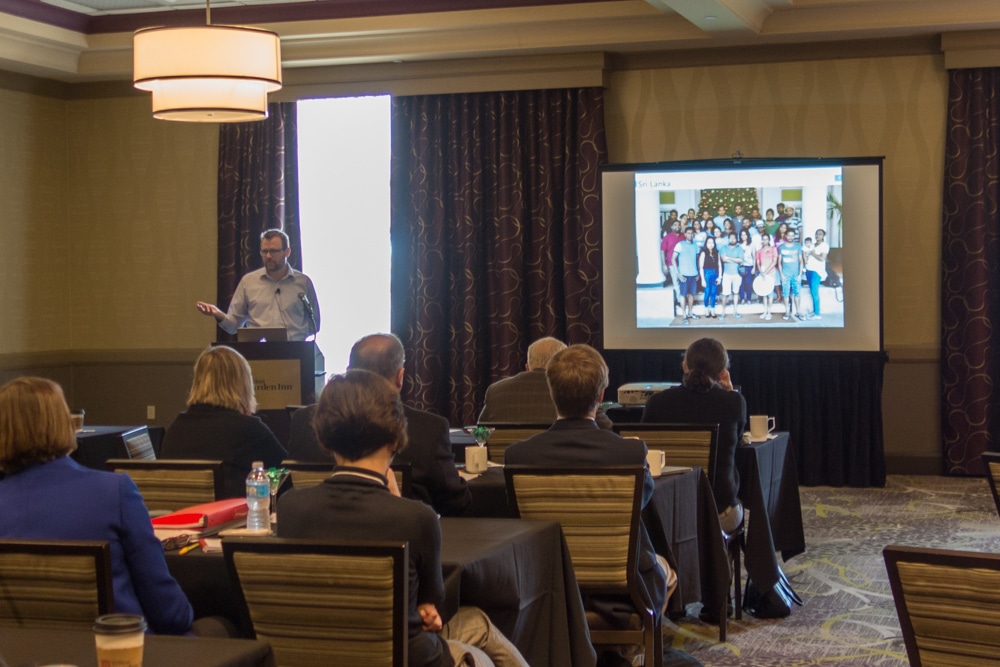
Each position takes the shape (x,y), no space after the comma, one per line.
(76,647)
(769,490)
(681,521)
(518,572)
(97,444)
(685,529)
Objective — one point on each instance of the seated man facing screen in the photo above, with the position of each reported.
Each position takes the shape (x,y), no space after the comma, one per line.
(434,478)
(577,378)
(524,398)
(360,419)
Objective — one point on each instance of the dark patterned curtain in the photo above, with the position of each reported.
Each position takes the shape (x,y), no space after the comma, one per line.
(495,235)
(971,257)
(258,190)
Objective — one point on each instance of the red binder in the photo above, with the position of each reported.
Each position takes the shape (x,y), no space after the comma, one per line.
(200,517)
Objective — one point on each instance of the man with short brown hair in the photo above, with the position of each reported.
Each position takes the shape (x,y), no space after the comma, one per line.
(577,378)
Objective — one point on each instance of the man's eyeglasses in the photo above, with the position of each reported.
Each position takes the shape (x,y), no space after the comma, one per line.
(270,251)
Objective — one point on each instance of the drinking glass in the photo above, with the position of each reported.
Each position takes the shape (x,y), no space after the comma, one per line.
(480,433)
(277,477)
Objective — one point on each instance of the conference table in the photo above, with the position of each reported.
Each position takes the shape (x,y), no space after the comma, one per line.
(22,646)
(518,572)
(680,519)
(97,444)
(684,527)
(769,491)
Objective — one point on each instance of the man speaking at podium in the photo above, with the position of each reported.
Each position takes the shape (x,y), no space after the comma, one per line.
(276,296)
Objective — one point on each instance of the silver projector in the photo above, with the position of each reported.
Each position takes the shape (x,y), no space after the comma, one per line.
(637,393)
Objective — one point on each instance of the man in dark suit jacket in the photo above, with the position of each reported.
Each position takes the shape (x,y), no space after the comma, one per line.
(577,377)
(524,398)
(434,478)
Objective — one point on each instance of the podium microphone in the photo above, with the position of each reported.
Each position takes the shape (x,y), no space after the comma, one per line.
(309,310)
(305,301)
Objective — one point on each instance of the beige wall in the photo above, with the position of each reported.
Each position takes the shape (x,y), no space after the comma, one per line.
(834,108)
(141,213)
(110,237)
(109,216)
(36,299)
(838,108)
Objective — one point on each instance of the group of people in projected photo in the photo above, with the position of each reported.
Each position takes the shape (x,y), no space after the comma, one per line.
(739,266)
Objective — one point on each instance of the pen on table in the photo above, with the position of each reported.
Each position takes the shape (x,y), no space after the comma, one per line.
(190,547)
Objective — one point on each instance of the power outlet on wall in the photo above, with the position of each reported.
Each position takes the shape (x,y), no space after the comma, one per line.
(150,412)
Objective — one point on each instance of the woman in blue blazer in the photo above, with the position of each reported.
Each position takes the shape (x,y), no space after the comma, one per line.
(48,496)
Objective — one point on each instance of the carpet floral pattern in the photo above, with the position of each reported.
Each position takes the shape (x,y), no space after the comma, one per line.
(849,617)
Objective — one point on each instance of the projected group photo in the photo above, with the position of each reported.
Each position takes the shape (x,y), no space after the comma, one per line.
(714,254)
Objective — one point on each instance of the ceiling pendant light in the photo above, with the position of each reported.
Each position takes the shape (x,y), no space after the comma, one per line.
(207,74)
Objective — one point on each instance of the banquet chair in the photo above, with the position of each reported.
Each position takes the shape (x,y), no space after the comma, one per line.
(170,485)
(324,602)
(599,510)
(62,584)
(138,444)
(991,461)
(696,445)
(948,603)
(307,473)
(506,434)
(684,444)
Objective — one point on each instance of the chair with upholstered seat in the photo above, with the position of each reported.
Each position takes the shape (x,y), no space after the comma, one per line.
(506,434)
(54,584)
(695,445)
(991,461)
(324,602)
(683,444)
(948,603)
(599,510)
(304,474)
(170,485)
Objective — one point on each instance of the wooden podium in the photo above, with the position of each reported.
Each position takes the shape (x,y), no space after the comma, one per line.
(283,374)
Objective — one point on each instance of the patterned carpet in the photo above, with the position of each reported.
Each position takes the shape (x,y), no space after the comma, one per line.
(849,617)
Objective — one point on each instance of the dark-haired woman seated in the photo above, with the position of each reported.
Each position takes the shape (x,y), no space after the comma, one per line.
(707,397)
(48,496)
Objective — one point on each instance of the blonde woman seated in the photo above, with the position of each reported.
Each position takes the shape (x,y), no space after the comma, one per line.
(48,496)
(219,421)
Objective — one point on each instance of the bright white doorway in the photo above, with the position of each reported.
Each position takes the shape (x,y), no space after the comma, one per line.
(344,147)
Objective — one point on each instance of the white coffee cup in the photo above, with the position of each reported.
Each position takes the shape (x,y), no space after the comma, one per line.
(119,639)
(761,426)
(656,458)
(475,459)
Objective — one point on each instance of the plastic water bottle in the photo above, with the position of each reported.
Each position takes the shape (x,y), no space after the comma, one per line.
(258,498)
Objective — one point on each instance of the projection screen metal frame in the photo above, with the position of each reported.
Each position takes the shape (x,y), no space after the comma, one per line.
(862,257)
